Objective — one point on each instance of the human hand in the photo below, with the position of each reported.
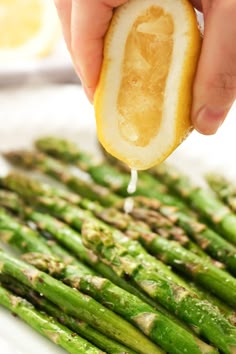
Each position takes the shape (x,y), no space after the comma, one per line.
(85,23)
(214,88)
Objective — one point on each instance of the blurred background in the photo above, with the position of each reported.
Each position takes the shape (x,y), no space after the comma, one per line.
(32,49)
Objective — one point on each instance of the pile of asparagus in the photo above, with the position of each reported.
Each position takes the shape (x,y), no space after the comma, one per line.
(94,279)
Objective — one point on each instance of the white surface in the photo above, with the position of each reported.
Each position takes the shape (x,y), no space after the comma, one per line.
(64,110)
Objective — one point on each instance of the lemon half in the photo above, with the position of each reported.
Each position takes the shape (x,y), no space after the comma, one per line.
(28,29)
(143,98)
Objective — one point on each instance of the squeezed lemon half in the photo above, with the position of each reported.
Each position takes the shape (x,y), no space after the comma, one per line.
(143,98)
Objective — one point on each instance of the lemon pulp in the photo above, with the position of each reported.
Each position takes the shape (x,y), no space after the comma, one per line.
(146,63)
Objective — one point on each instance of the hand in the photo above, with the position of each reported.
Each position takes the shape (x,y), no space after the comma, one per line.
(85,23)
(214,88)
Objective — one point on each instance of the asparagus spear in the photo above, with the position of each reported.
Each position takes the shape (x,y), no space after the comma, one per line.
(64,235)
(224,189)
(174,339)
(71,240)
(49,224)
(46,325)
(75,217)
(82,275)
(77,326)
(211,208)
(25,239)
(112,216)
(39,161)
(103,173)
(201,270)
(68,213)
(78,305)
(182,302)
(63,208)
(144,221)
(33,187)
(68,152)
(206,238)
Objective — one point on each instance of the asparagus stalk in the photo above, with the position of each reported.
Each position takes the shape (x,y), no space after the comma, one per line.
(182,302)
(64,235)
(50,225)
(201,270)
(33,187)
(71,240)
(13,233)
(77,304)
(75,217)
(46,325)
(123,222)
(103,173)
(25,239)
(223,188)
(24,242)
(112,216)
(77,326)
(209,240)
(116,218)
(144,221)
(68,152)
(205,237)
(72,215)
(39,161)
(211,208)
(174,339)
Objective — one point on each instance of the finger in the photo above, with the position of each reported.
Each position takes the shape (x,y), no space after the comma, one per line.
(89,23)
(64,12)
(215,82)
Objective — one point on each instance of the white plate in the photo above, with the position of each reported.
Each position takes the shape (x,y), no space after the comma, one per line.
(64,110)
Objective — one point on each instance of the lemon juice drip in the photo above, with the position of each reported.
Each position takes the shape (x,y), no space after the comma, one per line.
(129,202)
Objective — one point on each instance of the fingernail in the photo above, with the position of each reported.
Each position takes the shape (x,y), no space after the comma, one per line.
(208,120)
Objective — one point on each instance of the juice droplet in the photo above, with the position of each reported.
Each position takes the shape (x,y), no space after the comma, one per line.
(133,182)
(129,202)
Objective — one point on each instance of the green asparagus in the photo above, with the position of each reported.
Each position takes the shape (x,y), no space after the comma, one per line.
(46,325)
(107,293)
(173,339)
(77,304)
(103,173)
(68,152)
(39,161)
(182,302)
(206,238)
(224,189)
(211,208)
(78,326)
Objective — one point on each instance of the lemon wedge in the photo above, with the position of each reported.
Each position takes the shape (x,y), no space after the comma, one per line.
(28,29)
(143,98)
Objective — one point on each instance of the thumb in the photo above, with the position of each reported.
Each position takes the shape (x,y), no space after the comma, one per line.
(215,83)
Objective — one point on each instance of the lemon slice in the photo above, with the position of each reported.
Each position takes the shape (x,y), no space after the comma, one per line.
(28,29)
(143,99)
